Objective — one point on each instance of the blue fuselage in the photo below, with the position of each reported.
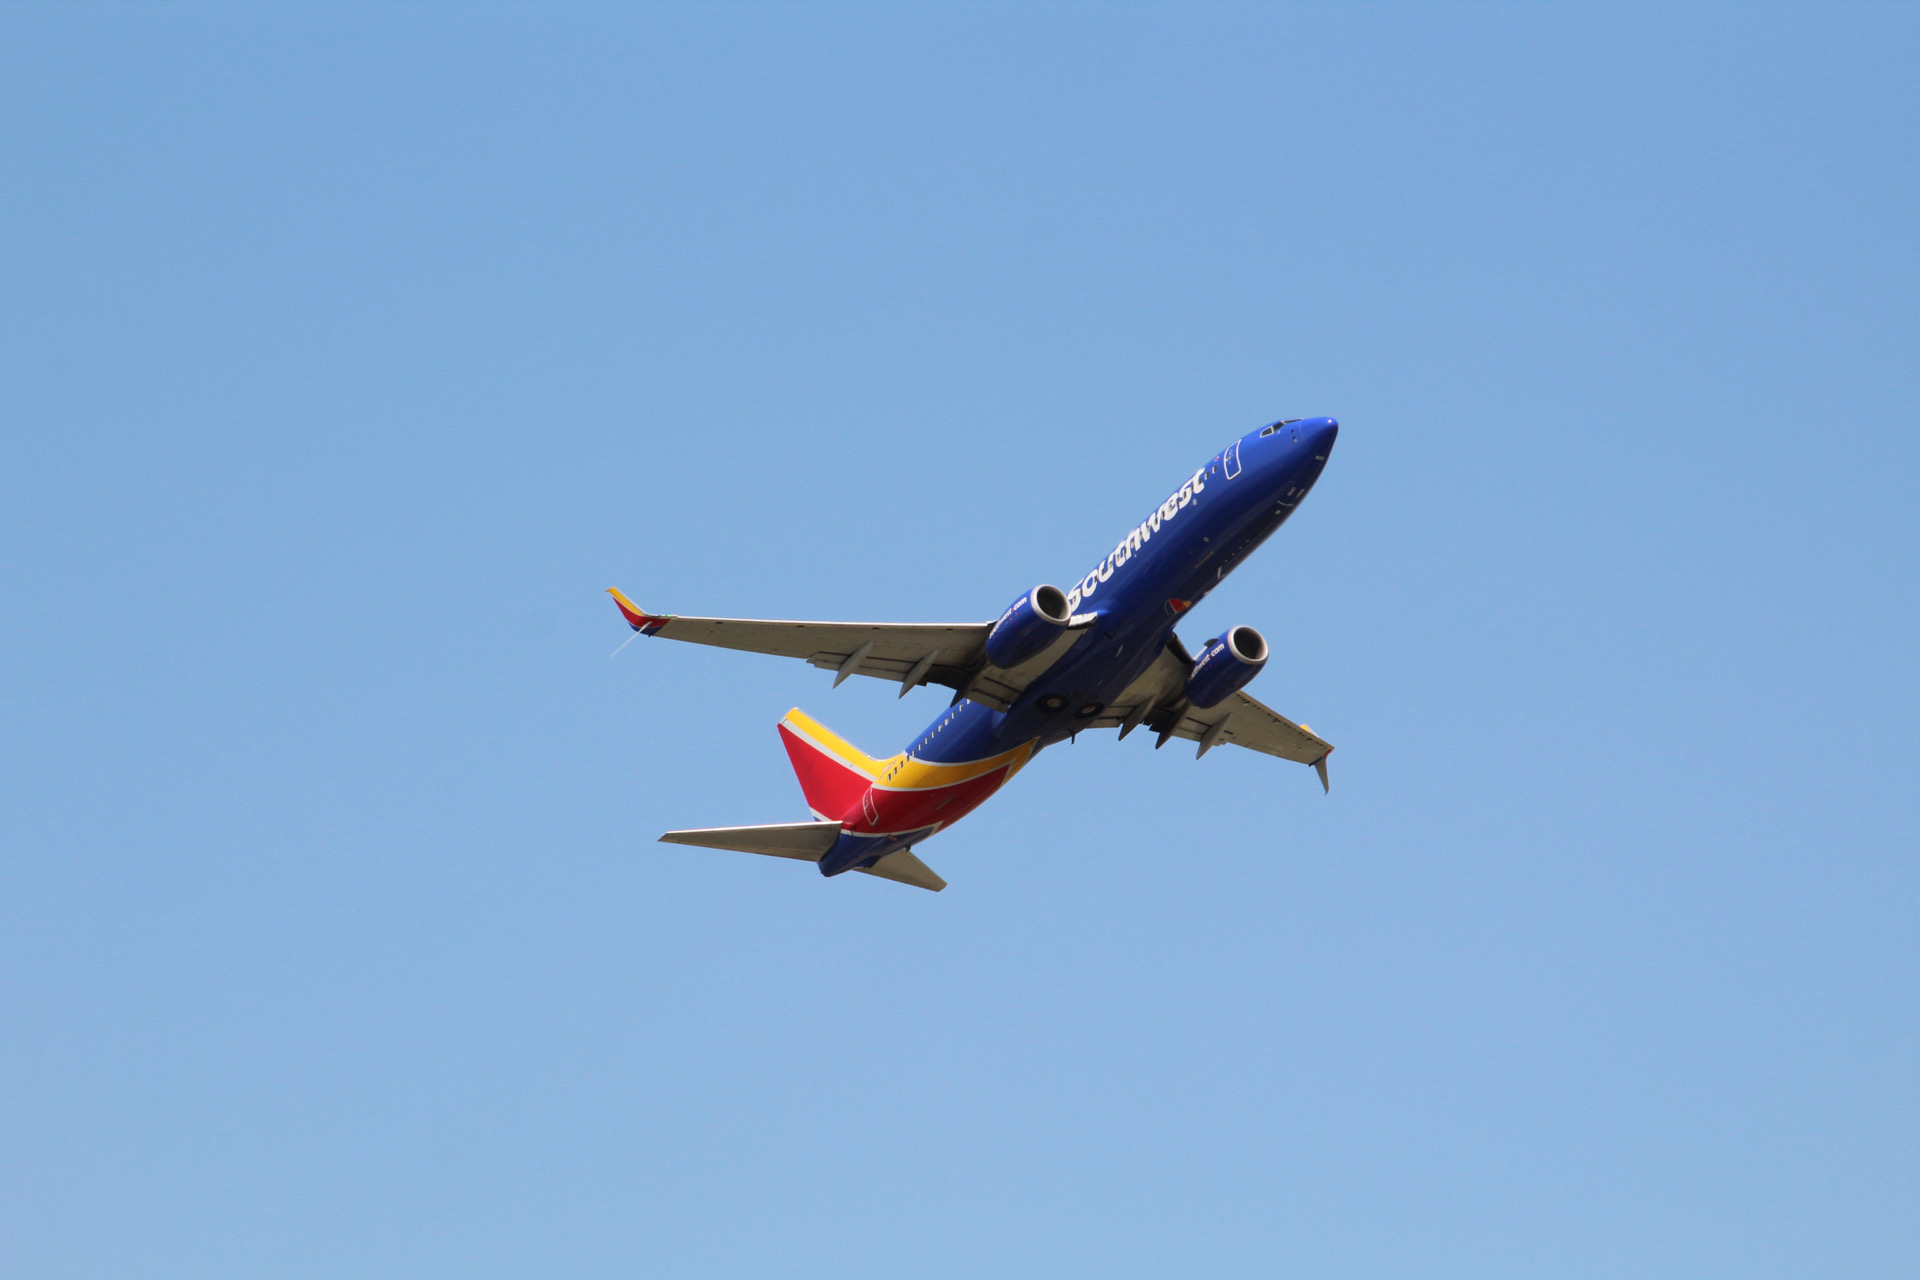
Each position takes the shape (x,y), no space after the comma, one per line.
(1163,567)
(1239,498)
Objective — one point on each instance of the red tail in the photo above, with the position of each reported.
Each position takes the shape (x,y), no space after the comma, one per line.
(833,774)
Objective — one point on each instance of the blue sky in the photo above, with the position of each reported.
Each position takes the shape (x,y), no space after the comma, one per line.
(347,354)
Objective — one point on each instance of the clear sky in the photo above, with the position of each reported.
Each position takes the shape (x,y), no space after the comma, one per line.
(347,354)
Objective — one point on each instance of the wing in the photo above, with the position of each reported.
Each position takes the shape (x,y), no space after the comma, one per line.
(1156,700)
(954,654)
(910,653)
(1252,724)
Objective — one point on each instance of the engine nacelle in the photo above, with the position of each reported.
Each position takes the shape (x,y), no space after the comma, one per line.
(1033,622)
(1230,659)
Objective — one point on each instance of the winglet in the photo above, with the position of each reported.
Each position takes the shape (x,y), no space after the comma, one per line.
(637,618)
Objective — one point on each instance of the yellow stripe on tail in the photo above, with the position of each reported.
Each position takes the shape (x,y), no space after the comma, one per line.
(806,726)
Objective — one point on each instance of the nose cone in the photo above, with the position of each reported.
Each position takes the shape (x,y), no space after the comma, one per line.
(1320,433)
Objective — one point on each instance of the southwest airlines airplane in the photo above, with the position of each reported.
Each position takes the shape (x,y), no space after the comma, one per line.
(1100,655)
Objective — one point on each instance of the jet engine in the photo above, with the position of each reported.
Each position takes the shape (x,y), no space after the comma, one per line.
(1033,622)
(1230,659)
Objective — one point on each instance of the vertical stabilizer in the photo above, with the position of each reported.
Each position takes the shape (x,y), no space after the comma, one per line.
(833,773)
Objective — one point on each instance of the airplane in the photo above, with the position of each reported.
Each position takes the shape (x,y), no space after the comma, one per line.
(1100,655)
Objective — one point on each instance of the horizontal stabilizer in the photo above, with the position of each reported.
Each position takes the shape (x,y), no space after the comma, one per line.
(907,869)
(808,841)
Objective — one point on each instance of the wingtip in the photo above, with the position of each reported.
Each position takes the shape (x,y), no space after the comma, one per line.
(637,618)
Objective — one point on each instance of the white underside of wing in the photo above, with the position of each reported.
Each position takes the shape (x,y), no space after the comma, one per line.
(1257,727)
(1249,722)
(948,653)
(940,652)
(892,642)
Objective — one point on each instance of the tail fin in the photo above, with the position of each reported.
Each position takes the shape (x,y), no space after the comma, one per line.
(833,773)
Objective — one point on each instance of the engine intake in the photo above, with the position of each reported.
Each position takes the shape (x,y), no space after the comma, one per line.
(1224,667)
(1029,625)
